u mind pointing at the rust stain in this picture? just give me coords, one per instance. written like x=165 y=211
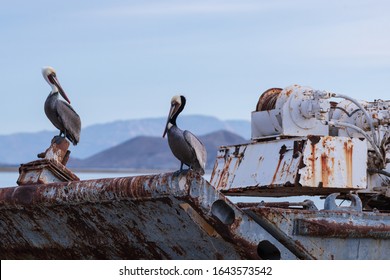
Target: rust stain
x=210 y=230
x=313 y=159
x=289 y=92
x=223 y=178
x=282 y=151
x=284 y=170
x=327 y=160
x=348 y=150
x=215 y=168
x=259 y=165
x=238 y=162
x=329 y=229
x=325 y=170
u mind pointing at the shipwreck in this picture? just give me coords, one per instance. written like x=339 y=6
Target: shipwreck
x=304 y=143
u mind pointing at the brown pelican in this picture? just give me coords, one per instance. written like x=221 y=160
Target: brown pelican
x=60 y=113
x=184 y=145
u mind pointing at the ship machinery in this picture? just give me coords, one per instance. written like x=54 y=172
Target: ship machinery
x=312 y=183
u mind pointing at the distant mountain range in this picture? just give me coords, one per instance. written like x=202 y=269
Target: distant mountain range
x=100 y=138
x=147 y=152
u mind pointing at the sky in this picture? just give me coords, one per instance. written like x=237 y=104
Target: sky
x=120 y=60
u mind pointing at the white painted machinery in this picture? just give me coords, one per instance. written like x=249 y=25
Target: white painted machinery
x=311 y=142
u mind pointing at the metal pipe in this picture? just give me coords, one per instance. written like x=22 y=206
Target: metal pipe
x=379 y=171
x=358 y=129
x=337 y=95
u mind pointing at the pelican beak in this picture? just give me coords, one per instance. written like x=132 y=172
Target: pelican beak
x=53 y=79
x=165 y=130
x=172 y=111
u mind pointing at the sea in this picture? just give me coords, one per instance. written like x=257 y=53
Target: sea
x=9 y=178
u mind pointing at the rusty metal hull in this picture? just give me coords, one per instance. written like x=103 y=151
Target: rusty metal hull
x=165 y=216
x=325 y=234
x=174 y=216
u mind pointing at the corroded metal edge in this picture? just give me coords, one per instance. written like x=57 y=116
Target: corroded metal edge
x=35 y=169
x=210 y=210
x=99 y=190
x=329 y=229
x=327 y=234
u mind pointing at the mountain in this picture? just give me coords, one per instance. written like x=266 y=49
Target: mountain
x=147 y=152
x=23 y=147
x=97 y=138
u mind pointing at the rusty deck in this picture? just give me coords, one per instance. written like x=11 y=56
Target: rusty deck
x=174 y=216
x=164 y=216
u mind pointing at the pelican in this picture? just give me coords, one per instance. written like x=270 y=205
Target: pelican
x=184 y=145
x=60 y=113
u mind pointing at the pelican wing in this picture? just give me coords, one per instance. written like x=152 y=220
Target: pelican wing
x=70 y=120
x=197 y=147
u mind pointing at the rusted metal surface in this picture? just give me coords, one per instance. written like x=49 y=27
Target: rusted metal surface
x=51 y=168
x=329 y=229
x=44 y=171
x=298 y=111
x=261 y=164
x=334 y=162
x=327 y=234
x=268 y=99
x=162 y=216
x=312 y=165
x=306 y=204
x=57 y=151
x=176 y=216
x=293 y=111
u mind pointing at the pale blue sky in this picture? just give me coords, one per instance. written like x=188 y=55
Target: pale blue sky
x=126 y=59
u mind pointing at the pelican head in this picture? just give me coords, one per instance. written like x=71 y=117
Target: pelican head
x=177 y=104
x=49 y=74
